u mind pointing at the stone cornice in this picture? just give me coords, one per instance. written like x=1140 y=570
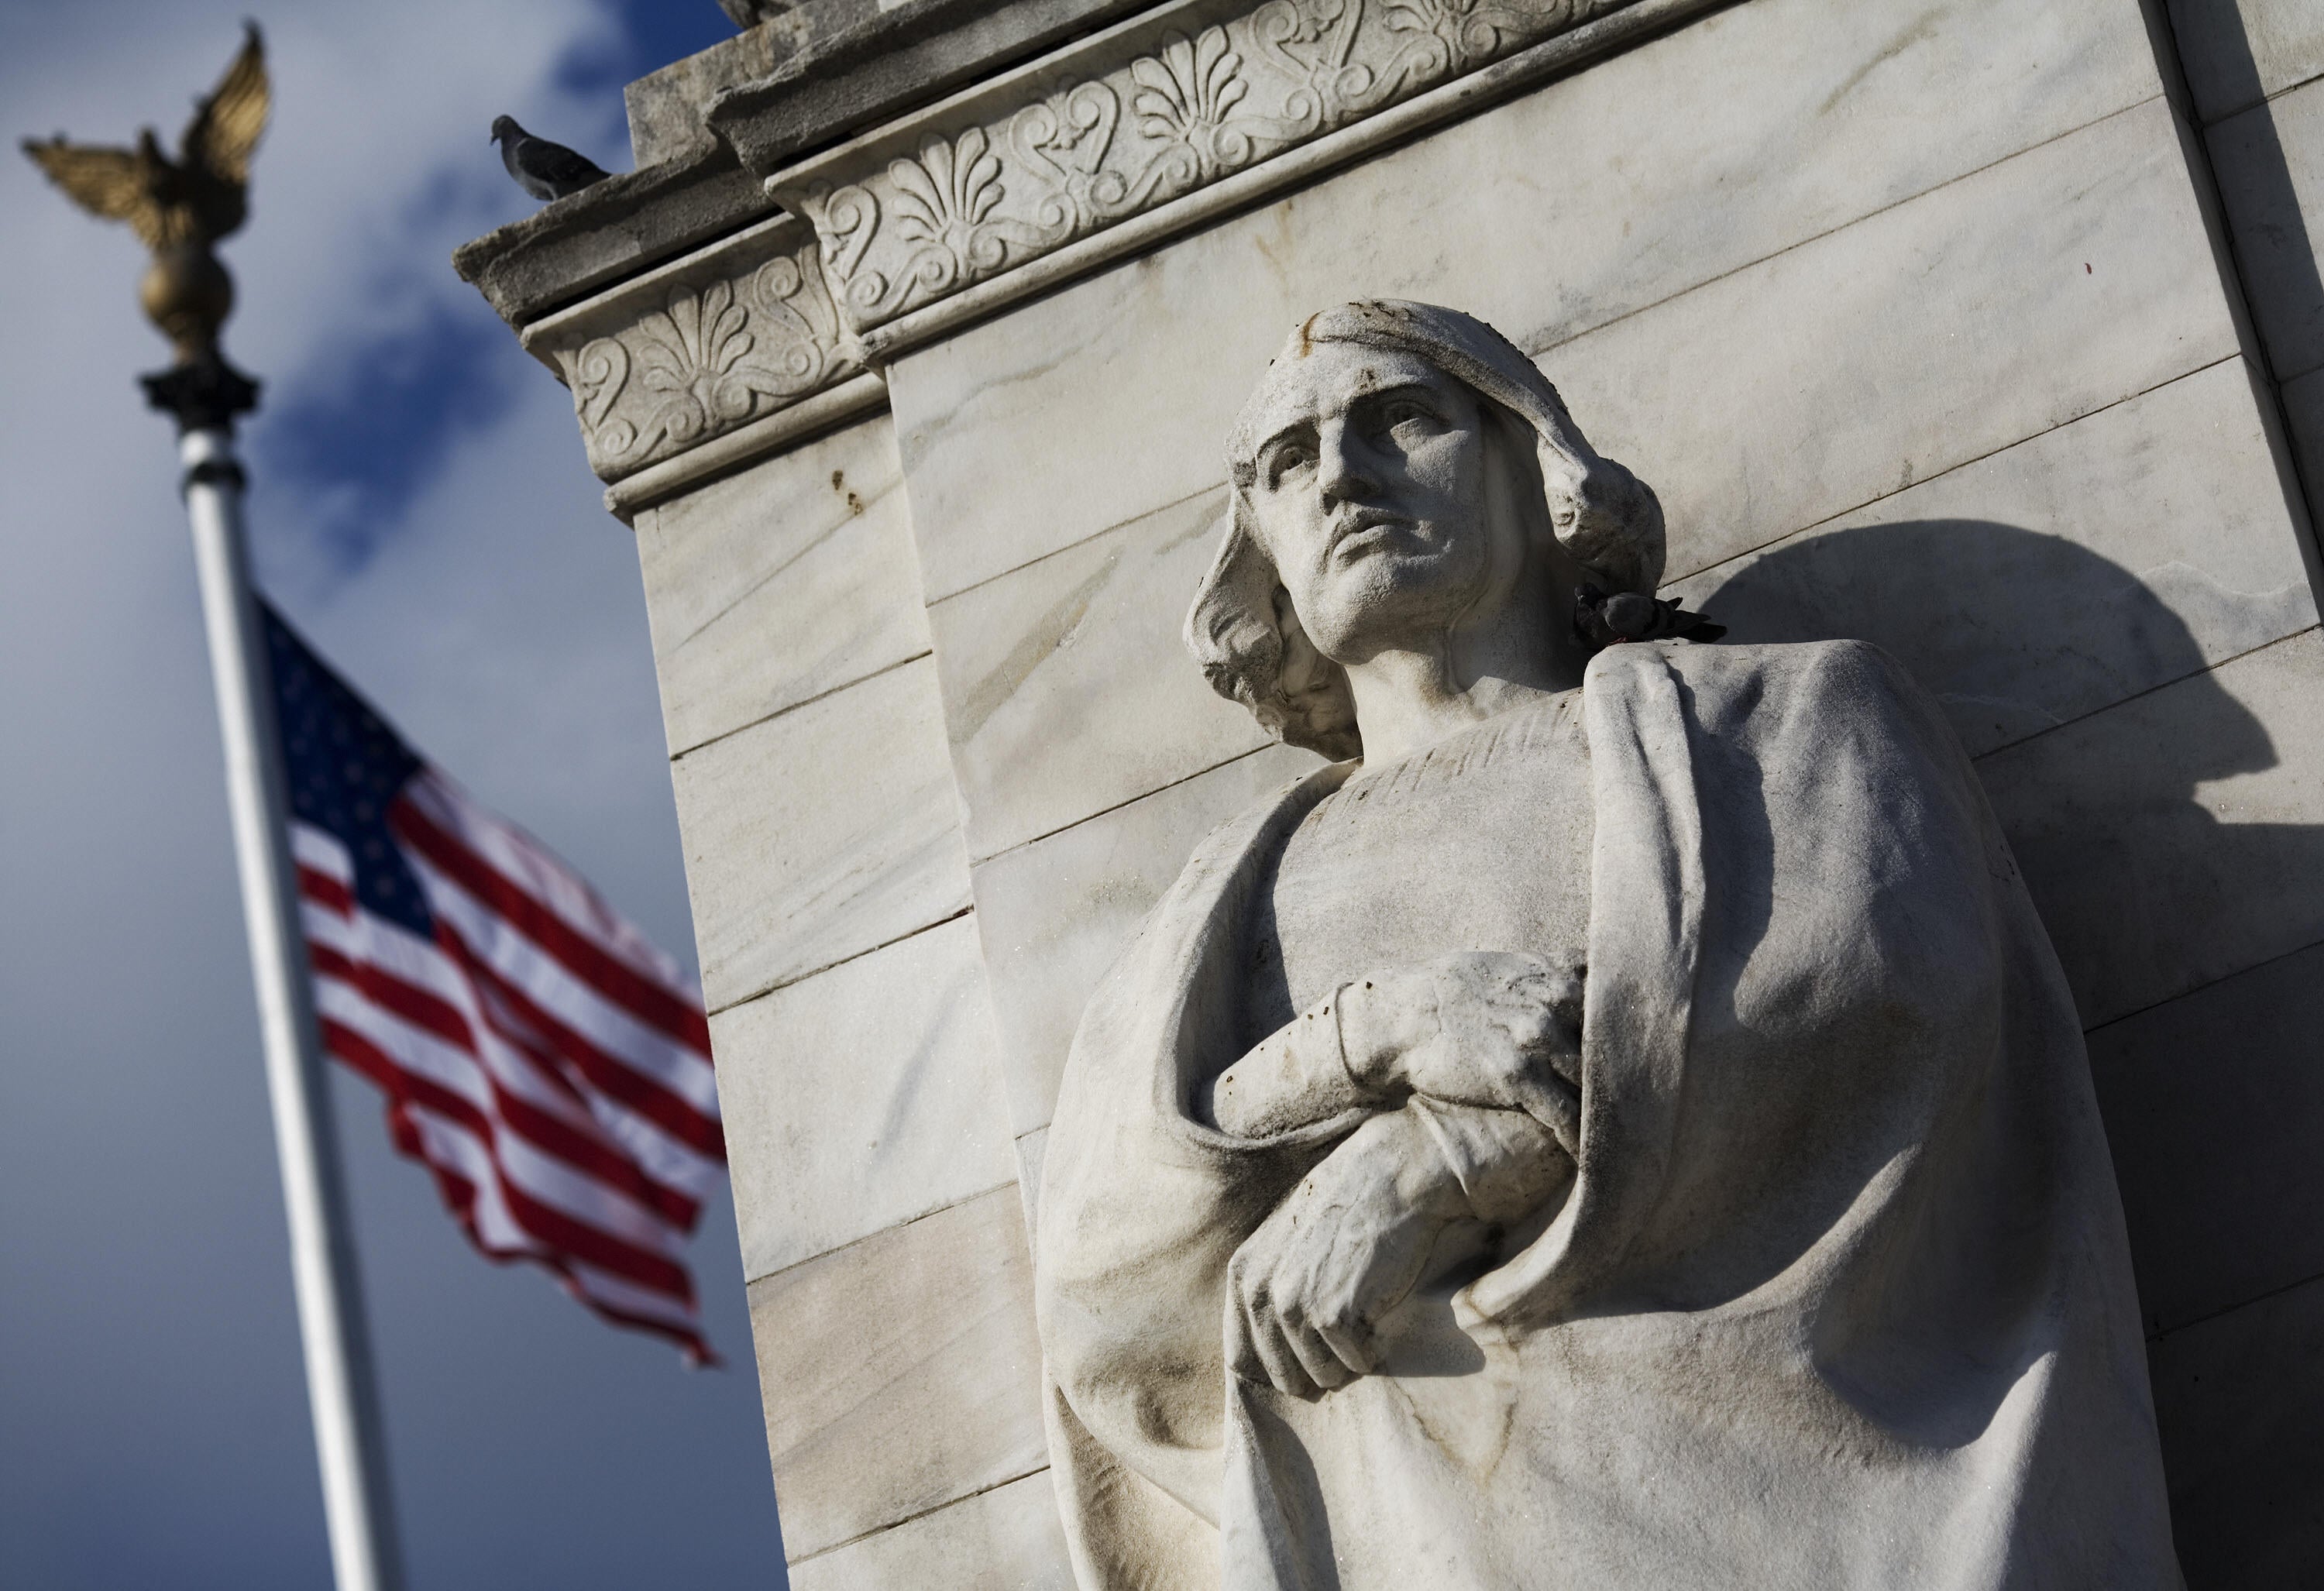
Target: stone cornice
x=945 y=215
x=629 y=222
x=1165 y=118
x=722 y=340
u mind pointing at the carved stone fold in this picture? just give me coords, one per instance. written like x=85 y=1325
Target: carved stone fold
x=1124 y=122
x=708 y=344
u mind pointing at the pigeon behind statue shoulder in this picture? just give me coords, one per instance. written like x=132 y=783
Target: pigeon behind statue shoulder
x=544 y=170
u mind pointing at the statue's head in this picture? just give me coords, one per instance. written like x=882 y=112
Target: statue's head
x=1402 y=470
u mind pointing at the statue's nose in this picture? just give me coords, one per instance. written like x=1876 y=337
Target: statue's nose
x=1341 y=475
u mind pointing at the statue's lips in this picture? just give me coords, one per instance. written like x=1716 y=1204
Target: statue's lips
x=1369 y=532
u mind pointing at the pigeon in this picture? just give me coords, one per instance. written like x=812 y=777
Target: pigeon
x=1605 y=621
x=544 y=170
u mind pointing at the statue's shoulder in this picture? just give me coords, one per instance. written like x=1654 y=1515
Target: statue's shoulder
x=1794 y=671
x=1795 y=694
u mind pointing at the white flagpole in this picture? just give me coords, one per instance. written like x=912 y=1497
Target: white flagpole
x=181 y=210
x=331 y=1329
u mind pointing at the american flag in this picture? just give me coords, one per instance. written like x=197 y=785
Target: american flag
x=549 y=1065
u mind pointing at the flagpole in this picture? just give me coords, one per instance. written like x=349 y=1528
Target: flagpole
x=179 y=209
x=341 y=1394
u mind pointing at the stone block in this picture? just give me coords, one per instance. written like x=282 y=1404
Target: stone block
x=2270 y=162
x=2211 y=1103
x=2235 y=52
x=2137 y=546
x=1056 y=913
x=884 y=57
x=901 y=1373
x=1010 y=1539
x=2176 y=839
x=820 y=833
x=2303 y=405
x=1067 y=688
x=2240 y=1400
x=861 y=1098
x=1093 y=405
x=780 y=583
x=2013 y=301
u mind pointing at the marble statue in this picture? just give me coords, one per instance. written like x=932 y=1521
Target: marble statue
x=1619 y=1124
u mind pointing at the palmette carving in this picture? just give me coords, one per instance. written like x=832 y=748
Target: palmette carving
x=1128 y=122
x=668 y=365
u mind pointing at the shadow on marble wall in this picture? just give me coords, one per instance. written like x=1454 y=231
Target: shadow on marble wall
x=2017 y=631
x=2133 y=764
x=2272 y=239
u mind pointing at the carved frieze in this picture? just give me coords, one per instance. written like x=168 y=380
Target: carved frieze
x=1124 y=123
x=704 y=345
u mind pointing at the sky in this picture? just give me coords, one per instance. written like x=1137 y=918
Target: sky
x=421 y=510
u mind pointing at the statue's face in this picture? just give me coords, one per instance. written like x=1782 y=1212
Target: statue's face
x=1372 y=492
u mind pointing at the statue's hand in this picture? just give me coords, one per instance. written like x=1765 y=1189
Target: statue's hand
x=1306 y=1290
x=1487 y=1028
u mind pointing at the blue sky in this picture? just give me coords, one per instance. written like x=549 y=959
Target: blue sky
x=420 y=506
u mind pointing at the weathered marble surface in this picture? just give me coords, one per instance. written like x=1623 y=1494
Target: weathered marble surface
x=820 y=833
x=2211 y=1103
x=2234 y=51
x=1066 y=691
x=778 y=584
x=1857 y=107
x=2270 y=161
x=900 y=1373
x=1004 y=1540
x=861 y=1098
x=1935 y=301
x=1055 y=914
x=2239 y=1399
x=862 y=60
x=2136 y=545
x=2174 y=839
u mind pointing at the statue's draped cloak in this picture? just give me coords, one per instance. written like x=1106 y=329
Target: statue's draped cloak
x=1839 y=1295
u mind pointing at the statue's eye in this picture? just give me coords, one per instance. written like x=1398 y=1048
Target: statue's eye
x=1405 y=412
x=1288 y=458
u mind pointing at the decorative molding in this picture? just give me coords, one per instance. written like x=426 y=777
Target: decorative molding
x=1135 y=119
x=1105 y=147
x=718 y=342
x=811 y=417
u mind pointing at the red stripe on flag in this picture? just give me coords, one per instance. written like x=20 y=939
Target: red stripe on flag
x=648 y=1001
x=551 y=1226
x=568 y=1141
x=603 y=1072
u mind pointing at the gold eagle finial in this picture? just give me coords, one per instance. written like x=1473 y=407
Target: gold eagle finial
x=179 y=207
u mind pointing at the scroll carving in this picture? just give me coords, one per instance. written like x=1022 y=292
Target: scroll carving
x=675 y=359
x=1124 y=123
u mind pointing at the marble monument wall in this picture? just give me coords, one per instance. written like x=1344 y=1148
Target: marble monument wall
x=1972 y=332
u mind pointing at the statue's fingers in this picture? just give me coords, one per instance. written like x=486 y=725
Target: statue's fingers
x=1324 y=1367
x=1351 y=1344
x=1283 y=1370
x=1553 y=1103
x=1270 y=1357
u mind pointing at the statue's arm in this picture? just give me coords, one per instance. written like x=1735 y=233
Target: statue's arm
x=1307 y=1291
x=1497 y=1031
